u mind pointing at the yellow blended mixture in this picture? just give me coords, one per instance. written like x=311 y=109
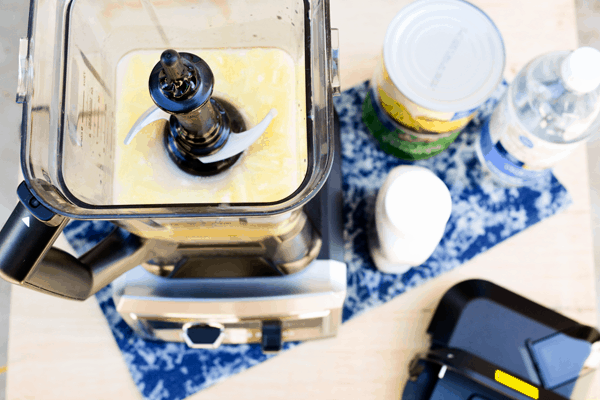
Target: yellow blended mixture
x=254 y=80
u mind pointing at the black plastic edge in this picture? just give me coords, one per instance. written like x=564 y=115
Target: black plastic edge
x=480 y=372
x=457 y=297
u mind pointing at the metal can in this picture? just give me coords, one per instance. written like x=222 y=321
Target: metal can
x=441 y=60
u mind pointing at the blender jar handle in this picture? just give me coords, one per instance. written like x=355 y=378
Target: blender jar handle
x=28 y=259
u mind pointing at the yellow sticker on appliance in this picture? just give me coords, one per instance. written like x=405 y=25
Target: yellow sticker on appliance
x=517 y=384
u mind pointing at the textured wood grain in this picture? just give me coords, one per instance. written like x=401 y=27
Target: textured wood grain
x=64 y=350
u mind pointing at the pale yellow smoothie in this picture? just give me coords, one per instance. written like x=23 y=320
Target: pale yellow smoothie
x=255 y=80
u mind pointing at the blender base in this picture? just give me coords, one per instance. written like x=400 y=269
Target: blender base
x=305 y=305
x=272 y=256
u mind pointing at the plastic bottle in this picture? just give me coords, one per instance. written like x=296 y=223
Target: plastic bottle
x=552 y=106
x=411 y=212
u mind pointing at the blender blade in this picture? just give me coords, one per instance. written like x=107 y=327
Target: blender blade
x=236 y=144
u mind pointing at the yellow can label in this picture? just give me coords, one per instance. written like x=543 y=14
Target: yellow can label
x=413 y=116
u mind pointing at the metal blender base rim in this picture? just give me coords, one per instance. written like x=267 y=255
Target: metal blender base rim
x=307 y=304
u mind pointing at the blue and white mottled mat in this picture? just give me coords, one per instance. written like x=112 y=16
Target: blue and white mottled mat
x=483 y=215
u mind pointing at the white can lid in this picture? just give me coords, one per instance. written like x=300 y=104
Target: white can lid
x=580 y=70
x=444 y=55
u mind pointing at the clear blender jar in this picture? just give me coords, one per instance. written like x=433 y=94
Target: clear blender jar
x=83 y=81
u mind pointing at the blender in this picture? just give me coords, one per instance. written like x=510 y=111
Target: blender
x=205 y=132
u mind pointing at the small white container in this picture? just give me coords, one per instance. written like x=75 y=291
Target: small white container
x=411 y=212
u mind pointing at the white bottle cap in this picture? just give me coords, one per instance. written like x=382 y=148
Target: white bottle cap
x=580 y=70
x=416 y=201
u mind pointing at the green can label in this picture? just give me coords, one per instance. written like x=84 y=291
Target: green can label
x=400 y=143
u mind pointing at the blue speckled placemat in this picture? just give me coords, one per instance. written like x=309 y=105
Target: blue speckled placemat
x=482 y=216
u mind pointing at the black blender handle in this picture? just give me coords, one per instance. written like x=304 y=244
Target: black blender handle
x=23 y=243
x=28 y=259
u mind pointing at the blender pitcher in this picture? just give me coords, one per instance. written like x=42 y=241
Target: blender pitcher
x=204 y=130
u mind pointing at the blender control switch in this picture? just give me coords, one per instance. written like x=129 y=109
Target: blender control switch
x=203 y=336
x=271 y=336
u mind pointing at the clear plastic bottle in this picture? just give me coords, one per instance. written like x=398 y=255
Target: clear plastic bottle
x=552 y=106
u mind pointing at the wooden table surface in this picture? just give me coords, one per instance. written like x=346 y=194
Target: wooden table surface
x=64 y=350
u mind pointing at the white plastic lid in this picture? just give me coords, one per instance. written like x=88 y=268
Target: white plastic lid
x=444 y=55
x=580 y=70
x=417 y=202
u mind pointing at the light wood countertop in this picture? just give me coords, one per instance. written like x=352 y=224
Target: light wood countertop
x=64 y=350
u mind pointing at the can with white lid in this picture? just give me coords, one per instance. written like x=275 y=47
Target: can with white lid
x=441 y=60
